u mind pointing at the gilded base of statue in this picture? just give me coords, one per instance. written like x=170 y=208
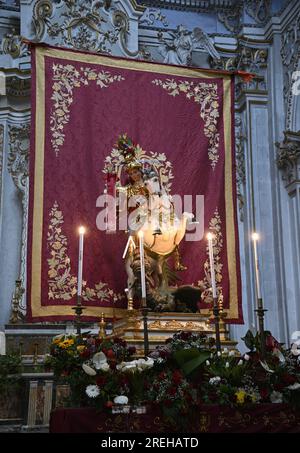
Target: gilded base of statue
x=164 y=325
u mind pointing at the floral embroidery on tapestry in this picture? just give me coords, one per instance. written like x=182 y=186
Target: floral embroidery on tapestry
x=206 y=95
x=62 y=284
x=66 y=78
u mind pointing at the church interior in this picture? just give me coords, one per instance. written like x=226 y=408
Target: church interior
x=149 y=216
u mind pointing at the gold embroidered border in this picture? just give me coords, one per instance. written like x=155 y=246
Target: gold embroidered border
x=36 y=254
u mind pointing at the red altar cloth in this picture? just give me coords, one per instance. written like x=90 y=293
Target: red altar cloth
x=261 y=418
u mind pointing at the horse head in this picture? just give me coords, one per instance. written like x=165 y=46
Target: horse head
x=152 y=182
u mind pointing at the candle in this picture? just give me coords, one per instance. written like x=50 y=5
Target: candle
x=255 y=238
x=80 y=260
x=212 y=266
x=142 y=258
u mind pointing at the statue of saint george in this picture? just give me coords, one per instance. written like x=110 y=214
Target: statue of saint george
x=149 y=208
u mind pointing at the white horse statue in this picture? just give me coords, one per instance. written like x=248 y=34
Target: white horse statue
x=163 y=231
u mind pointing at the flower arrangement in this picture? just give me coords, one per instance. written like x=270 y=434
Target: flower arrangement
x=181 y=375
x=92 y=367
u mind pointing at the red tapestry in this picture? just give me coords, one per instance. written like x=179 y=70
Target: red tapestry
x=81 y=104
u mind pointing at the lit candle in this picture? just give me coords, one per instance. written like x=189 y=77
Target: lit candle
x=80 y=260
x=142 y=258
x=212 y=266
x=255 y=238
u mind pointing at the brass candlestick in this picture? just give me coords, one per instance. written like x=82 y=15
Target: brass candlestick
x=261 y=323
x=78 y=312
x=145 y=321
x=35 y=355
x=216 y=312
x=102 y=327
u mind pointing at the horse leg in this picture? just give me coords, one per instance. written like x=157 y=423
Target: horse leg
x=178 y=264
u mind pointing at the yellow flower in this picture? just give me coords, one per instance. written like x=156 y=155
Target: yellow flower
x=254 y=398
x=240 y=396
x=66 y=344
x=80 y=348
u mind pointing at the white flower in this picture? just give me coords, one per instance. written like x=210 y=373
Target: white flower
x=227 y=365
x=246 y=357
x=225 y=351
x=207 y=363
x=104 y=367
x=294 y=349
x=121 y=399
x=276 y=397
x=132 y=366
x=295 y=386
x=89 y=370
x=99 y=359
x=240 y=363
x=120 y=366
x=142 y=364
x=214 y=380
x=219 y=354
x=92 y=391
x=231 y=353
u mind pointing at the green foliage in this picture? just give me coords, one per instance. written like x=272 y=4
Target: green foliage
x=190 y=359
x=10 y=372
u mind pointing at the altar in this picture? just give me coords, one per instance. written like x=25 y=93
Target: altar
x=263 y=418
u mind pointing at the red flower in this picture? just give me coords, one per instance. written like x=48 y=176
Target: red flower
x=164 y=354
x=109 y=404
x=289 y=379
x=86 y=354
x=264 y=393
x=110 y=354
x=162 y=375
x=272 y=343
x=172 y=391
x=177 y=377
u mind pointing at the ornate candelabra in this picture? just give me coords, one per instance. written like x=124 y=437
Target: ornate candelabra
x=16 y=302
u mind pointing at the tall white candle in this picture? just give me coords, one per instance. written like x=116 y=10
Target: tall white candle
x=80 y=260
x=212 y=265
x=142 y=258
x=255 y=238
